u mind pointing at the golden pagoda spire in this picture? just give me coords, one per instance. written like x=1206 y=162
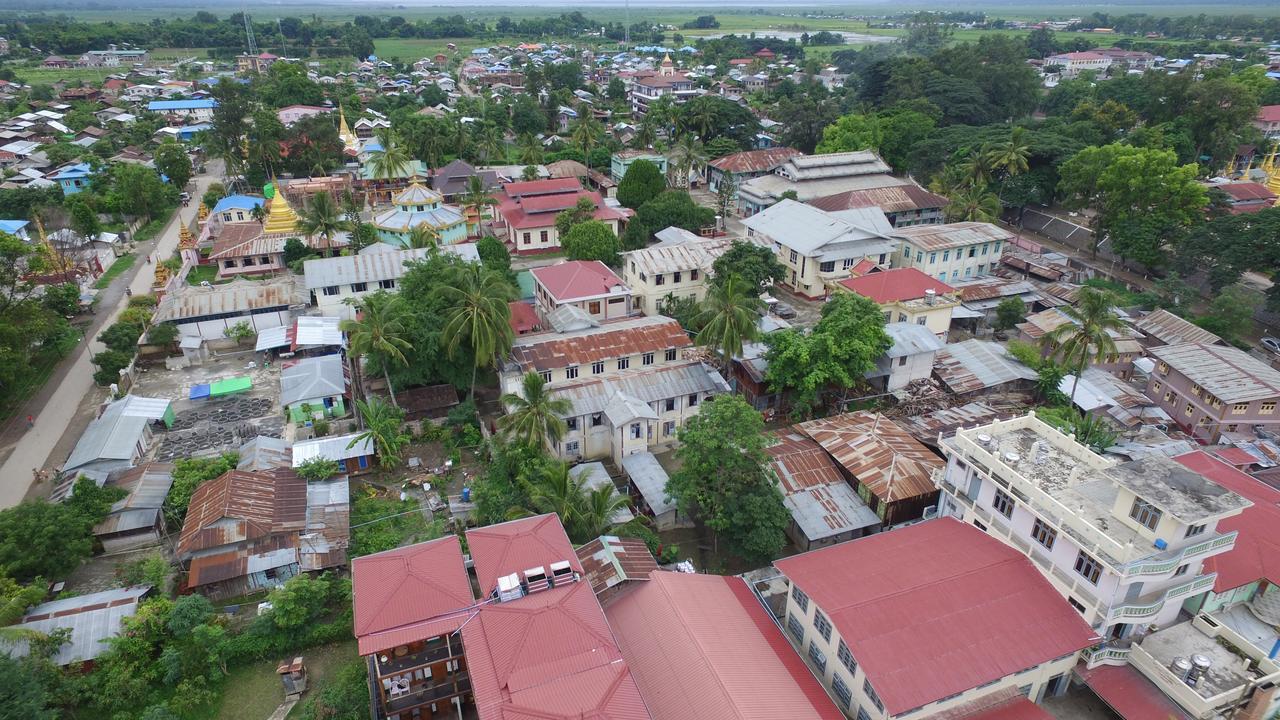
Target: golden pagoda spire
x=1272 y=169
x=202 y=213
x=281 y=219
x=349 y=139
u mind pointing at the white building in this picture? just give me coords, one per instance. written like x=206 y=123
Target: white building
x=1074 y=63
x=954 y=251
x=336 y=283
x=679 y=265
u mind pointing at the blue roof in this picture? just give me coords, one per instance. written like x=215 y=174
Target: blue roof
x=163 y=105
x=79 y=170
x=372 y=146
x=237 y=202
x=12 y=226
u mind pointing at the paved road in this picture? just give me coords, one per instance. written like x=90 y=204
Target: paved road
x=56 y=406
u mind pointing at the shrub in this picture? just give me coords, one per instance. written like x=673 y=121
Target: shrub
x=110 y=363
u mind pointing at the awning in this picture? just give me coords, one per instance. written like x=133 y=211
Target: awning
x=191 y=342
x=272 y=338
x=199 y=392
x=961 y=312
x=230 y=386
x=1129 y=693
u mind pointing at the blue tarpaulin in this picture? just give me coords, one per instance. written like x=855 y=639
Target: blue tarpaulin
x=199 y=392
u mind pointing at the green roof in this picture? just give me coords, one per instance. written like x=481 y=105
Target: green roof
x=230 y=385
x=524 y=279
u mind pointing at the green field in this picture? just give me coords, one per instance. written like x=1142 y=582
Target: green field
x=411 y=49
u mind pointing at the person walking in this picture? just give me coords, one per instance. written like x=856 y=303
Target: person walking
x=31 y=421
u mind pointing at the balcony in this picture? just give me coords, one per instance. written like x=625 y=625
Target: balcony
x=433 y=651
x=1105 y=655
x=1168 y=563
x=425 y=695
x=1144 y=608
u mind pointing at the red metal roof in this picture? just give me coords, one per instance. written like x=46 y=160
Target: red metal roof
x=1241 y=191
x=404 y=589
x=524 y=319
x=549 y=654
x=240 y=506
x=702 y=646
x=1257 y=550
x=576 y=279
x=895 y=285
x=542 y=187
x=1131 y=695
x=937 y=608
x=1019 y=708
x=540 y=211
x=1235 y=457
x=1269 y=113
x=632 y=336
x=516 y=546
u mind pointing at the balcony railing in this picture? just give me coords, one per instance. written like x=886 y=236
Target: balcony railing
x=1169 y=564
x=1104 y=655
x=1142 y=610
x=457 y=684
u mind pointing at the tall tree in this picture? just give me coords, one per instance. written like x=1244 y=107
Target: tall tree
x=757 y=266
x=383 y=427
x=378 y=334
x=477 y=199
x=171 y=161
x=534 y=416
x=642 y=182
x=320 y=217
x=479 y=316
x=1087 y=337
x=729 y=318
x=392 y=161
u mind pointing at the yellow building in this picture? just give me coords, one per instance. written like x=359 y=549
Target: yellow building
x=907 y=295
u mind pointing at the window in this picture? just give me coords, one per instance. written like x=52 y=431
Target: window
x=669 y=428
x=571 y=372
x=635 y=431
x=387 y=284
x=642 y=277
x=919 y=256
x=801 y=599
x=693 y=276
x=571 y=424
x=1194 y=530
x=597 y=368
x=1075 y=604
x=624 y=363
x=842 y=691
x=826 y=267
x=1267 y=408
x=1196 y=390
x=528 y=238
x=794 y=627
x=848 y=262
x=1155 y=386
x=968 y=271
x=846 y=658
x=955 y=273
x=902 y=361
x=359 y=287
x=921 y=320
x=1168 y=397
x=1163 y=367
x=670 y=404
x=822 y=625
x=818 y=658
x=871 y=695
x=229 y=263
x=902 y=317
x=933 y=258
x=693 y=401
x=1182 y=570
x=593 y=307
x=659 y=279
x=1044 y=534
x=1239 y=408
x=1088 y=568
x=984 y=248
x=331 y=290
x=675 y=277
x=249 y=262
x=542 y=236
x=646 y=359
x=670 y=355
x=979 y=525
x=862 y=714
x=946 y=255
x=973 y=251
x=264 y=261
x=793 y=257
x=1003 y=504
x=1147 y=515
x=1190 y=409
x=596 y=419
x=546 y=376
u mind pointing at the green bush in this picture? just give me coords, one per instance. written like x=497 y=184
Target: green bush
x=122 y=337
x=345 y=696
x=109 y=364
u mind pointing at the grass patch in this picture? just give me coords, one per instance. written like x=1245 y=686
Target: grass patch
x=26 y=386
x=153 y=228
x=202 y=273
x=392 y=532
x=1124 y=296
x=414 y=49
x=122 y=263
x=254 y=691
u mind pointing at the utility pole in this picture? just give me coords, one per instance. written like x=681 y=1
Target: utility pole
x=248 y=31
x=626 y=28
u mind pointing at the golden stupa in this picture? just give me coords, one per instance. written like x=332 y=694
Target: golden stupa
x=185 y=238
x=348 y=138
x=281 y=219
x=202 y=213
x=1271 y=166
x=162 y=276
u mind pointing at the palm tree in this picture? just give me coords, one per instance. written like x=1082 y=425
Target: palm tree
x=646 y=133
x=534 y=415
x=383 y=428
x=258 y=212
x=555 y=490
x=1009 y=157
x=975 y=168
x=700 y=117
x=490 y=143
x=530 y=149
x=423 y=236
x=973 y=204
x=586 y=135
x=392 y=161
x=689 y=154
x=596 y=514
x=729 y=318
x=476 y=199
x=379 y=333
x=1087 y=335
x=480 y=316
x=320 y=217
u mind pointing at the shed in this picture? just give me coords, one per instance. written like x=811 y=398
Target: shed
x=115 y=440
x=647 y=481
x=136 y=520
x=313 y=386
x=593 y=476
x=230 y=386
x=352 y=453
x=92 y=619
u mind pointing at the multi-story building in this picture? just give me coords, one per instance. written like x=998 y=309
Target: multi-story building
x=1075 y=63
x=954 y=251
x=678 y=266
x=648 y=86
x=1268 y=121
x=199 y=110
x=904 y=205
x=630 y=383
x=743 y=166
x=815 y=176
x=1132 y=60
x=336 y=284
x=817 y=248
x=420 y=206
x=906 y=295
x=620 y=162
x=931 y=620
x=587 y=285
x=525 y=216
x=259 y=63
x=1212 y=389
x=1124 y=542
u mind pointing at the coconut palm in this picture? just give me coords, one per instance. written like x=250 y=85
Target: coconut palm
x=530 y=148
x=554 y=490
x=423 y=236
x=476 y=198
x=490 y=143
x=479 y=317
x=1087 y=335
x=973 y=204
x=1009 y=157
x=646 y=133
x=585 y=135
x=975 y=168
x=392 y=161
x=383 y=426
x=320 y=217
x=534 y=415
x=597 y=511
x=259 y=213
x=729 y=318
x=689 y=155
x=698 y=117
x=379 y=333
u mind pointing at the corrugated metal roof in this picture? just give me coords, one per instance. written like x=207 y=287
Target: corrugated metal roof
x=881 y=455
x=677 y=253
x=609 y=560
x=1130 y=694
x=93 y=619
x=323 y=544
x=812 y=167
x=148 y=485
x=807 y=229
x=821 y=502
x=702 y=646
x=332 y=448
x=360 y=268
x=265 y=453
x=516 y=546
x=607 y=341
x=650 y=478
x=754 y=161
x=190 y=302
x=312 y=378
x=578 y=279
x=991 y=288
x=593 y=476
x=239 y=506
x=938 y=608
x=595 y=396
x=952 y=235
x=1170 y=329
x=1256 y=555
x=975 y=365
x=911 y=339
x=1231 y=375
x=926 y=428
x=399 y=588
x=892 y=199
x=317 y=330
x=111 y=436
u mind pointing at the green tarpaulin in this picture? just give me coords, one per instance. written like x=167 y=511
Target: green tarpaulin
x=230 y=386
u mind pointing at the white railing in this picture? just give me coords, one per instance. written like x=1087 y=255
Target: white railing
x=1161 y=567
x=1103 y=655
x=1146 y=610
